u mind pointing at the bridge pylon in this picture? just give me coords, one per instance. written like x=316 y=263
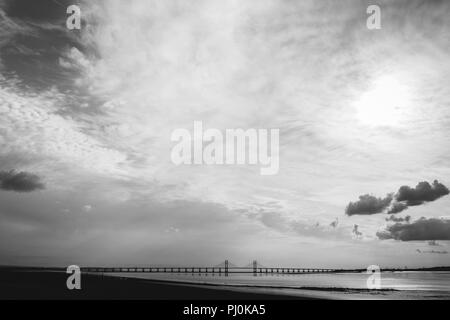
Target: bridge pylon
x=226 y=268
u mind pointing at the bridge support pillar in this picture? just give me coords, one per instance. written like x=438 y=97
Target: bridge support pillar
x=226 y=268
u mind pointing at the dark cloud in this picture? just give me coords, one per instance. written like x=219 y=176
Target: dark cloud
x=419 y=230
x=423 y=192
x=398 y=219
x=404 y=198
x=368 y=204
x=20 y=181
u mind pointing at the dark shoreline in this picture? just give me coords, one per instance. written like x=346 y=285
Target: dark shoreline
x=31 y=285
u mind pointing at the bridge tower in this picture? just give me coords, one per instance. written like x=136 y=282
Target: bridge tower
x=226 y=268
x=255 y=266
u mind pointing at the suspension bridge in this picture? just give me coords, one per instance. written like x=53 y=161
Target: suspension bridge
x=225 y=268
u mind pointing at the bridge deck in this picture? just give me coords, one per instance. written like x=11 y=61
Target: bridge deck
x=203 y=270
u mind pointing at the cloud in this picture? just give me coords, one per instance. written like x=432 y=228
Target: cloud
x=397 y=207
x=20 y=181
x=420 y=230
x=398 y=219
x=405 y=197
x=368 y=204
x=10 y=28
x=74 y=59
x=50 y=134
x=290 y=225
x=423 y=192
x=87 y=208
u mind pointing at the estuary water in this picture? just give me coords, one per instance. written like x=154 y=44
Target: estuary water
x=394 y=285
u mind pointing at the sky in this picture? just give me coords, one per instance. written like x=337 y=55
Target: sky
x=86 y=118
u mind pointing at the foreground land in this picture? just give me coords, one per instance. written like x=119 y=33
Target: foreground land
x=17 y=284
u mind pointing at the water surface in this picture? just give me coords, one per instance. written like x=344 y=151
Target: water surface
x=404 y=284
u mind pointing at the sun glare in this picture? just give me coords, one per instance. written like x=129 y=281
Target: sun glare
x=383 y=104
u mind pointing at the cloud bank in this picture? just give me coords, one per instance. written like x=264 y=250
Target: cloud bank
x=420 y=230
